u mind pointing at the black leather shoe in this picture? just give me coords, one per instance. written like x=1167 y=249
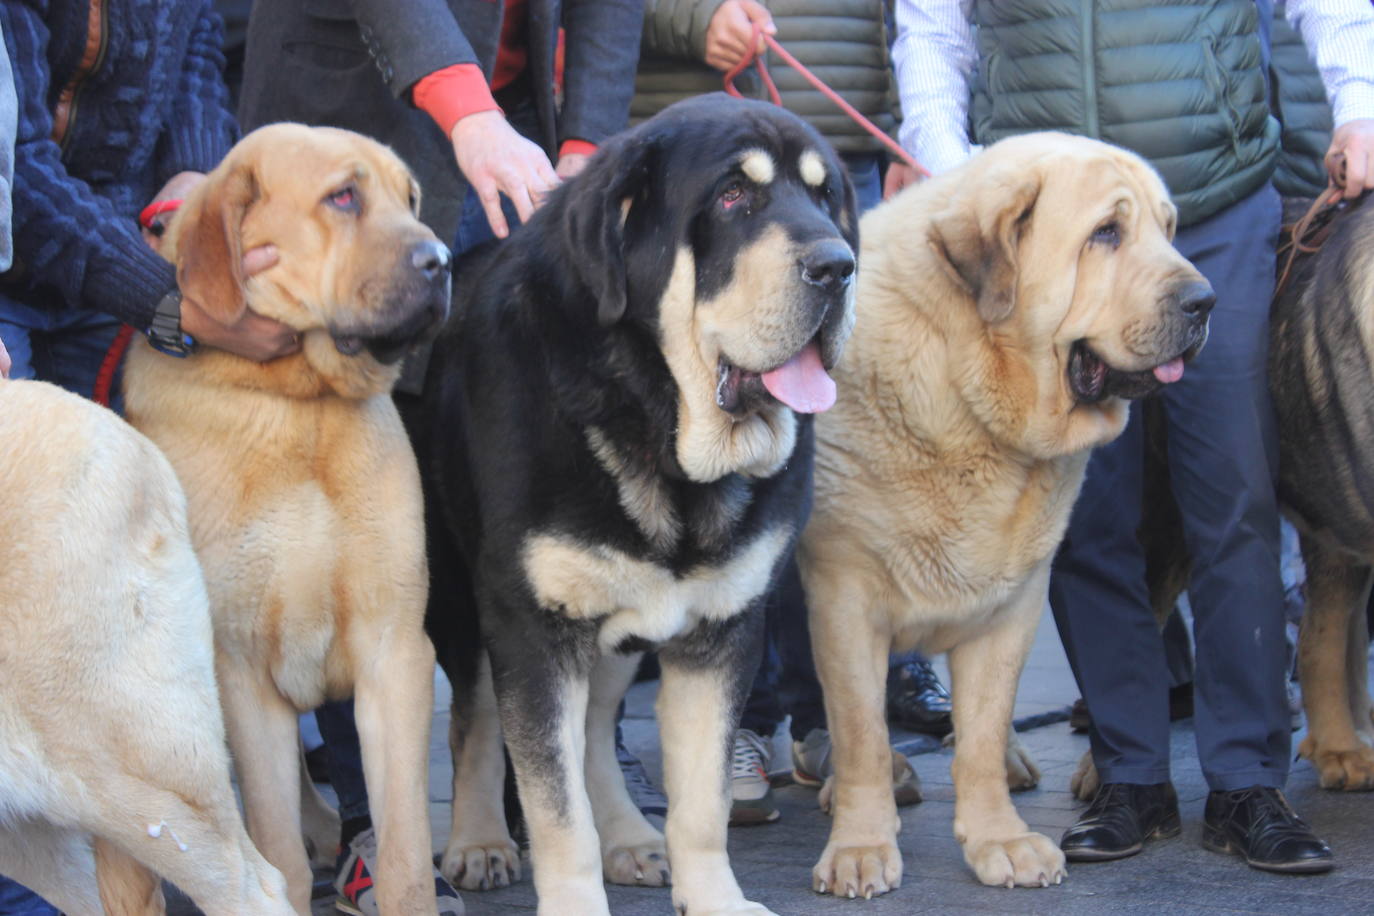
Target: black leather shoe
x=1261 y=827
x=916 y=699
x=1120 y=819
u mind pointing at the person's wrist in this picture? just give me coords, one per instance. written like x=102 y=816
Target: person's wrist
x=165 y=332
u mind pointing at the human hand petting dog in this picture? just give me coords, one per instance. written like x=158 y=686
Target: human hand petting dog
x=496 y=160
x=1350 y=158
x=729 y=31
x=253 y=336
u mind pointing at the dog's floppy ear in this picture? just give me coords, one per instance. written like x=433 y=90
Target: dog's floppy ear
x=209 y=251
x=979 y=245
x=594 y=216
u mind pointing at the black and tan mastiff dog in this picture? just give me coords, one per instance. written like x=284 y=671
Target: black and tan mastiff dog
x=1321 y=373
x=619 y=443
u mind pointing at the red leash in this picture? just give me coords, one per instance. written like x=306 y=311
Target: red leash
x=104 y=378
x=754 y=58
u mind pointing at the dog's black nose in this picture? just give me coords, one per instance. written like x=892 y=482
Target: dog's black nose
x=431 y=259
x=1196 y=299
x=828 y=264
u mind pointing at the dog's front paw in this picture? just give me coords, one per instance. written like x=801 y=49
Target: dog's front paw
x=1351 y=769
x=858 y=871
x=481 y=866
x=1084 y=782
x=641 y=864
x=1025 y=860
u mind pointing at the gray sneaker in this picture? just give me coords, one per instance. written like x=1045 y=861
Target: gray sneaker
x=353 y=881
x=751 y=794
x=812 y=766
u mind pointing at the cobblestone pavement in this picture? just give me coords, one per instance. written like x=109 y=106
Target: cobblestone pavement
x=773 y=862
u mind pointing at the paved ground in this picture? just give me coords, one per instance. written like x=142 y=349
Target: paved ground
x=773 y=863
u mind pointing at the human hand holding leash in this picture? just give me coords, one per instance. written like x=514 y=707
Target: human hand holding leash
x=732 y=28
x=496 y=160
x=1350 y=158
x=898 y=176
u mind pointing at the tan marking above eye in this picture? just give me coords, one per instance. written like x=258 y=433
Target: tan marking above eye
x=758 y=166
x=812 y=168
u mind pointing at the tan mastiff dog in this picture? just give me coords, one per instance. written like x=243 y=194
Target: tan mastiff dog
x=113 y=770
x=302 y=488
x=1007 y=311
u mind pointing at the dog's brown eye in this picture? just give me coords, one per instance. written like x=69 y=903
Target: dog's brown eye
x=344 y=198
x=732 y=195
x=1110 y=234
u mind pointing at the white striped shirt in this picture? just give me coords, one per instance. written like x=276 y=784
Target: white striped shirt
x=934 y=57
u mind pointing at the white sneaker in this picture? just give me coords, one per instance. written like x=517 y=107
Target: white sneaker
x=751 y=794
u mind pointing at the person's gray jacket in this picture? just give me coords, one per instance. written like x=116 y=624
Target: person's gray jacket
x=844 y=42
x=353 y=63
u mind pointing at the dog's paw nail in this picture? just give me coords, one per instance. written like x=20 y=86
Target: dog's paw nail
x=851 y=891
x=1011 y=882
x=868 y=892
x=639 y=875
x=1059 y=878
x=820 y=887
x=1044 y=880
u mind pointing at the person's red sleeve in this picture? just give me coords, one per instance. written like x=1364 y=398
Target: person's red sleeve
x=576 y=146
x=453 y=93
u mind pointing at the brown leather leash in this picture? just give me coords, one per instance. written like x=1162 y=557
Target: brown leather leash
x=753 y=57
x=1306 y=235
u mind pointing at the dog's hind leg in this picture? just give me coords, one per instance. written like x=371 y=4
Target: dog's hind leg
x=264 y=738
x=54 y=862
x=480 y=854
x=984 y=670
x=632 y=851
x=704 y=680
x=1335 y=583
x=1357 y=664
x=320 y=824
x=127 y=887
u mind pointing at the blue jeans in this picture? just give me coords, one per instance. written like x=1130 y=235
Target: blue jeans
x=62 y=346
x=18 y=900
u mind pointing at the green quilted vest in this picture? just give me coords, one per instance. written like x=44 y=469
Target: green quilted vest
x=1178 y=81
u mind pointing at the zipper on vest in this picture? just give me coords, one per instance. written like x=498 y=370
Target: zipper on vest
x=1089 y=63
x=97 y=42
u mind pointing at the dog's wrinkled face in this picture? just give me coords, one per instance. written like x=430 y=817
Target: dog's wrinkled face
x=359 y=275
x=737 y=227
x=1073 y=269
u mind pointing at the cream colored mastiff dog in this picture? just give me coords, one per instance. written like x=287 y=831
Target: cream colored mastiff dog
x=1006 y=312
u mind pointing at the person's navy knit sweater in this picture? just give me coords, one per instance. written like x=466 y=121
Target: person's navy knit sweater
x=153 y=104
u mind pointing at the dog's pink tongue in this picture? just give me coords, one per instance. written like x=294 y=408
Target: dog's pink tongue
x=1171 y=371
x=802 y=382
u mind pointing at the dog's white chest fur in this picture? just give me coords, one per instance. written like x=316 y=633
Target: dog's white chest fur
x=641 y=598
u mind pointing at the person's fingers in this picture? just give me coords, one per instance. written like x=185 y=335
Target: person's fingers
x=256 y=260
x=490 y=199
x=1357 y=173
x=4 y=361
x=520 y=196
